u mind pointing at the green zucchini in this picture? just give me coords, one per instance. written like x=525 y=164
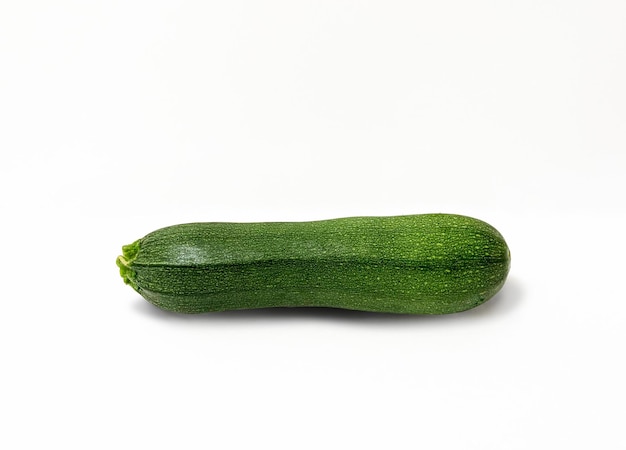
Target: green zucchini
x=414 y=264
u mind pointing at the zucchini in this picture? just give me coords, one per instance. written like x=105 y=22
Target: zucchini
x=413 y=264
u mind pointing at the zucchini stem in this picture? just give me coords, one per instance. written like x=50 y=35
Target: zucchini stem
x=125 y=262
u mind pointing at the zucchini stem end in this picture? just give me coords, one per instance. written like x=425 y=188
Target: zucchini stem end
x=125 y=262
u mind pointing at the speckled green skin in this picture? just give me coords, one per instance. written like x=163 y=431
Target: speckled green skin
x=417 y=264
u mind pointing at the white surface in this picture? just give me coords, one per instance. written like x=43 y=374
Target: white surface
x=117 y=118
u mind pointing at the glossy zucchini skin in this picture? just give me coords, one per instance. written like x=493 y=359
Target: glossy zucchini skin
x=413 y=264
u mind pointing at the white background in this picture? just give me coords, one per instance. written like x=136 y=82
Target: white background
x=120 y=117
